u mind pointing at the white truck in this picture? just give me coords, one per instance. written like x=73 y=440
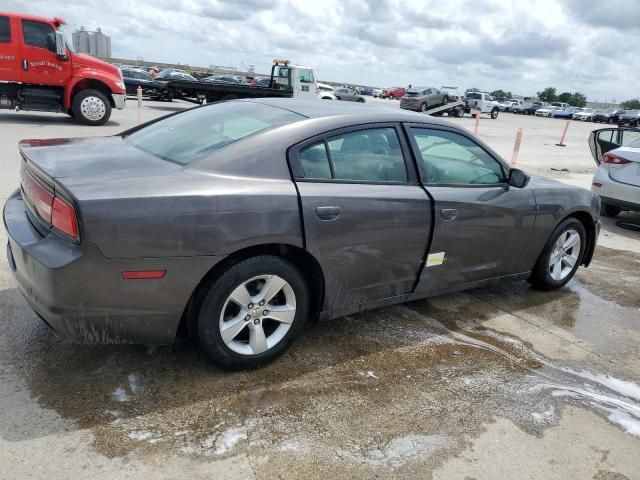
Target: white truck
x=480 y=102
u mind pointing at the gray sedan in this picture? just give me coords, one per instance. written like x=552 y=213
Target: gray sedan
x=348 y=95
x=236 y=222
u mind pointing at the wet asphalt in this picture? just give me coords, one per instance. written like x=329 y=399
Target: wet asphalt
x=497 y=382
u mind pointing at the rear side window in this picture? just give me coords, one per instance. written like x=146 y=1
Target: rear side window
x=39 y=34
x=5 y=31
x=315 y=162
x=368 y=155
x=189 y=136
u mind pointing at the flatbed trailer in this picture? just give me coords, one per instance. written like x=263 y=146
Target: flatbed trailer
x=285 y=81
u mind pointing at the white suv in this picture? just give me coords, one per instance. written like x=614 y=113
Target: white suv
x=617 y=180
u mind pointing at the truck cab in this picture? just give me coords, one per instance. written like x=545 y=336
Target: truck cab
x=483 y=103
x=299 y=80
x=40 y=71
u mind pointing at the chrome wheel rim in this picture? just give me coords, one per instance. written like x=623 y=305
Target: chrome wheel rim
x=93 y=108
x=564 y=255
x=257 y=315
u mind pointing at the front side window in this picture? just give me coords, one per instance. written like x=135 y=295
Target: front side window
x=453 y=159
x=368 y=155
x=193 y=134
x=39 y=34
x=5 y=30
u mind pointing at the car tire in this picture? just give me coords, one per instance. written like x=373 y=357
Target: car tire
x=445 y=100
x=610 y=211
x=361 y=100
x=237 y=352
x=423 y=107
x=91 y=107
x=494 y=113
x=546 y=274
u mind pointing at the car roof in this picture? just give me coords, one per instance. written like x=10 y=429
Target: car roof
x=368 y=112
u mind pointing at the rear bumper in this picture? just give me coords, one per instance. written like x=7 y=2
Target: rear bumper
x=81 y=295
x=615 y=193
x=119 y=100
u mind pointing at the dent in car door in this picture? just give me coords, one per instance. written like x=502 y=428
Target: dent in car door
x=481 y=230
x=367 y=226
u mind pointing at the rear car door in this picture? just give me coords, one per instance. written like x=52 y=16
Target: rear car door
x=40 y=63
x=366 y=218
x=9 y=50
x=481 y=224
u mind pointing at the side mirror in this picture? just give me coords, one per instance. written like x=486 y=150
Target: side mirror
x=61 y=46
x=517 y=178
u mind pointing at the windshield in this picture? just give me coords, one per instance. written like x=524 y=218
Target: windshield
x=63 y=30
x=189 y=136
x=474 y=96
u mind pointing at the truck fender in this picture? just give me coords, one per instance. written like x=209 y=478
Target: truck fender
x=90 y=78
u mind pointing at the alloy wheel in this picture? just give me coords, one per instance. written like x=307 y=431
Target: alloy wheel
x=257 y=315
x=564 y=255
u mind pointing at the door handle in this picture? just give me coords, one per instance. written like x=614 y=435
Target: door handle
x=25 y=64
x=448 y=213
x=328 y=213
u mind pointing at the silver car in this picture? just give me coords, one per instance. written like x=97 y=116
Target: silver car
x=421 y=99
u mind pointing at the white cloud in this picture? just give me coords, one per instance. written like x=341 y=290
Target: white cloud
x=520 y=46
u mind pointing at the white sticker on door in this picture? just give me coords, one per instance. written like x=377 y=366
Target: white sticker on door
x=434 y=259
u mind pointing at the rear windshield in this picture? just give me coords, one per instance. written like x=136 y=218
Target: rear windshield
x=189 y=136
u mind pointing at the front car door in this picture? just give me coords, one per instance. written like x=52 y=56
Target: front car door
x=481 y=224
x=366 y=217
x=9 y=50
x=40 y=63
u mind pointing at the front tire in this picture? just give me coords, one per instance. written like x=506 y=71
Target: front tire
x=494 y=113
x=561 y=256
x=252 y=312
x=91 y=107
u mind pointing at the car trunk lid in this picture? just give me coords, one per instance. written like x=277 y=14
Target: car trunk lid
x=606 y=139
x=628 y=173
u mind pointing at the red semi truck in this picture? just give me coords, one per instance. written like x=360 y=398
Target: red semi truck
x=39 y=71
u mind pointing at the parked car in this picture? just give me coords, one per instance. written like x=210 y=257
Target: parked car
x=377 y=92
x=566 y=113
x=366 y=91
x=560 y=105
x=175 y=74
x=297 y=234
x=629 y=117
x=507 y=106
x=136 y=77
x=584 y=114
x=610 y=115
x=421 y=99
x=394 y=93
x=231 y=79
x=547 y=111
x=528 y=108
x=347 y=94
x=616 y=151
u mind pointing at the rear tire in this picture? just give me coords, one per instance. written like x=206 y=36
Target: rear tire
x=610 y=211
x=544 y=276
x=247 y=348
x=91 y=107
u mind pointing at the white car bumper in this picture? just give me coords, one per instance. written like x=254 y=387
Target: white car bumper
x=615 y=193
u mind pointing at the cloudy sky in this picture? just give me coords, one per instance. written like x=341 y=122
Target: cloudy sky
x=522 y=46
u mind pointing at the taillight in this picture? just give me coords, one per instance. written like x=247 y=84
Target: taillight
x=53 y=210
x=63 y=217
x=40 y=197
x=614 y=159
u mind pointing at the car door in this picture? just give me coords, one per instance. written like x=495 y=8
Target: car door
x=366 y=218
x=607 y=139
x=9 y=50
x=481 y=224
x=40 y=63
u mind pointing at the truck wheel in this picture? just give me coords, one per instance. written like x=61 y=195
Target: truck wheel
x=252 y=312
x=91 y=107
x=494 y=113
